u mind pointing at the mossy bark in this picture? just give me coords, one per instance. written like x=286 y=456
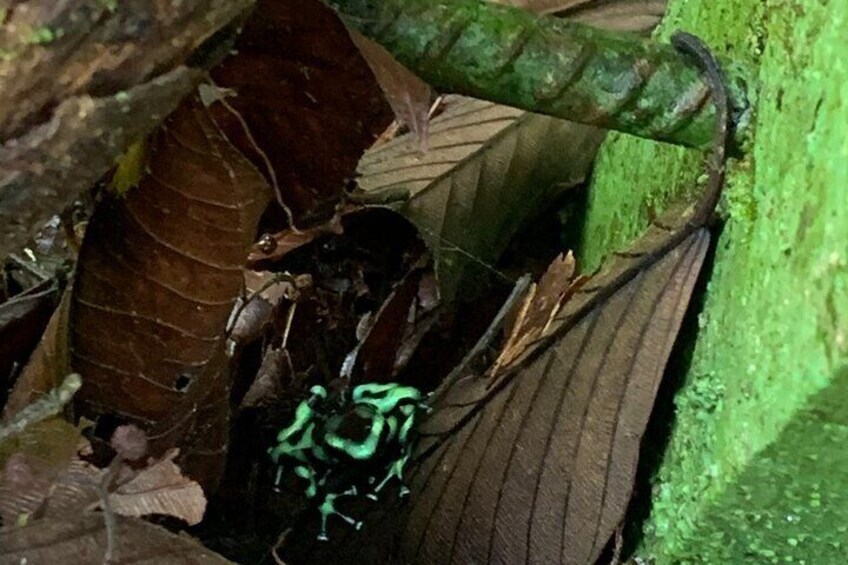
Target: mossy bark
x=755 y=470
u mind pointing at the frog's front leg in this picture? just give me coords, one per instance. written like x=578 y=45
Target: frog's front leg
x=398 y=466
x=328 y=508
x=396 y=470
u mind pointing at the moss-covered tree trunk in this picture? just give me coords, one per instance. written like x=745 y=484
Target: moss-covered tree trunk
x=756 y=468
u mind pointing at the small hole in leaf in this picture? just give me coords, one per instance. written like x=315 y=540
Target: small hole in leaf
x=182 y=382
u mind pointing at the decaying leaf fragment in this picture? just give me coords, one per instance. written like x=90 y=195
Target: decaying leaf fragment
x=537 y=311
x=158 y=274
x=408 y=95
x=537 y=464
x=53 y=540
x=47 y=365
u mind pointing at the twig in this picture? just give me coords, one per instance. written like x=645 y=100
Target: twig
x=280 y=541
x=272 y=173
x=48 y=405
x=277 y=278
x=108 y=513
x=489 y=335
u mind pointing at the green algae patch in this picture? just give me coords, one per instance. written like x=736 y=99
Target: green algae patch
x=790 y=504
x=772 y=333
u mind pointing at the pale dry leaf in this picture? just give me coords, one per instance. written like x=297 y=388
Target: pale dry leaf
x=82 y=541
x=535 y=313
x=160 y=488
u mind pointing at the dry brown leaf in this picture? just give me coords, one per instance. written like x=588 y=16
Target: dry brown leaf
x=375 y=358
x=160 y=488
x=309 y=101
x=535 y=313
x=408 y=95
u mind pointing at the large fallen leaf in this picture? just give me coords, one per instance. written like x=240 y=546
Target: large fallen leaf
x=83 y=541
x=537 y=465
x=488 y=169
x=159 y=272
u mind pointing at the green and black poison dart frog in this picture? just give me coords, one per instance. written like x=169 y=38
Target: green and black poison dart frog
x=368 y=434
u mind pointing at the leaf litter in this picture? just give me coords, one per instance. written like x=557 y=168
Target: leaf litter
x=372 y=299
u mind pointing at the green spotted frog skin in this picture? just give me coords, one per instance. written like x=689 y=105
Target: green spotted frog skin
x=319 y=441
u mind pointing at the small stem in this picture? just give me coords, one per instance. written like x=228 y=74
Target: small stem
x=48 y=405
x=109 y=514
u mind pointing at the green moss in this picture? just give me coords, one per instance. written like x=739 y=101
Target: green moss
x=41 y=35
x=773 y=330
